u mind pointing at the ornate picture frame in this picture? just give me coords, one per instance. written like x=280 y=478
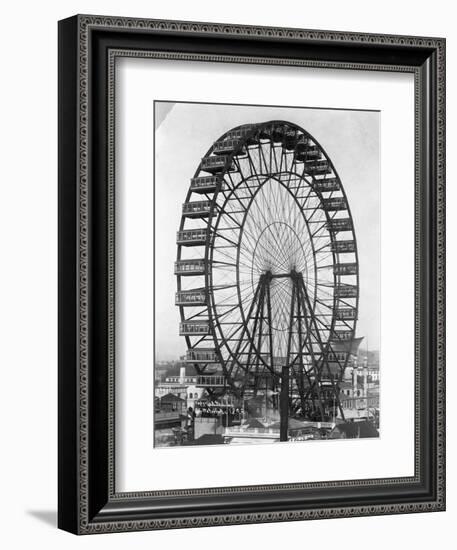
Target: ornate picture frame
x=88 y=49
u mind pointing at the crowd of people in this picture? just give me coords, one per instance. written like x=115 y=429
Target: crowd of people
x=214 y=409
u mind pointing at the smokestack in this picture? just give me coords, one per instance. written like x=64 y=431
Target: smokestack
x=354 y=382
x=365 y=388
x=182 y=375
x=365 y=380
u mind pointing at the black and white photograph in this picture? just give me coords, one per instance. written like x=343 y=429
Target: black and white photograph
x=267 y=274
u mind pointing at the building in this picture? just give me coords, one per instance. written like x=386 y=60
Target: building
x=360 y=397
x=194 y=393
x=175 y=388
x=172 y=403
x=182 y=378
x=353 y=348
x=373 y=374
x=182 y=386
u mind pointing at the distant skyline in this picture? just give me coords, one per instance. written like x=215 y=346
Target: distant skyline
x=183 y=134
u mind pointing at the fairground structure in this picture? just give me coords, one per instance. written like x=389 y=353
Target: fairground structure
x=267 y=276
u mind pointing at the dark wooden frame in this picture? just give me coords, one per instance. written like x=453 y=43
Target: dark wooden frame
x=88 y=46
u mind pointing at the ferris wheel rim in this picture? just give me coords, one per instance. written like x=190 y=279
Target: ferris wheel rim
x=256 y=128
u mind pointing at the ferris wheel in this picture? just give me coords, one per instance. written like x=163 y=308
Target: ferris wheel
x=267 y=268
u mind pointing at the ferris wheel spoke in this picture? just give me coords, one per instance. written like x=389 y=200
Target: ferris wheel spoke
x=199 y=341
x=236 y=187
x=252 y=166
x=314 y=210
x=243 y=177
x=323 y=247
x=227 y=303
x=322 y=225
x=258 y=178
x=273 y=165
x=261 y=156
x=223 y=265
x=230 y=214
x=276 y=243
x=272 y=153
x=202 y=312
x=279 y=155
x=224 y=253
x=324 y=257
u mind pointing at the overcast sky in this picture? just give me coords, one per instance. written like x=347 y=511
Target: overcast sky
x=184 y=133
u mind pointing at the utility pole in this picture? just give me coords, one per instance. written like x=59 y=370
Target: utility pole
x=284 y=405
